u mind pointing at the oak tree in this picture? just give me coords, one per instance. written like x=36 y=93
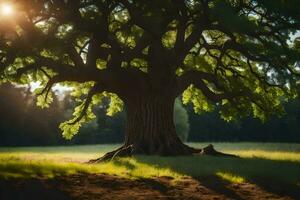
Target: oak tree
x=142 y=54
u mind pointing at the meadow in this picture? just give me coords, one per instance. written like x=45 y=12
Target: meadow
x=280 y=162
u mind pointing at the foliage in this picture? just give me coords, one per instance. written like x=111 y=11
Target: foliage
x=236 y=55
x=22 y=123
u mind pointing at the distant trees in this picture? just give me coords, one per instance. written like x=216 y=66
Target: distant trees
x=103 y=129
x=22 y=123
x=209 y=127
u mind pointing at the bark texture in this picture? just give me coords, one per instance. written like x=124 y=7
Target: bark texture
x=150 y=127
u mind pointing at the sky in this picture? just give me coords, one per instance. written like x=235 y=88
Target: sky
x=59 y=88
x=296 y=35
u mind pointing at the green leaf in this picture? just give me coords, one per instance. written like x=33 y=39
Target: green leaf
x=43 y=101
x=68 y=130
x=115 y=105
x=199 y=101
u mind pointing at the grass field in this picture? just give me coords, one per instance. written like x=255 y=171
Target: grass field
x=279 y=162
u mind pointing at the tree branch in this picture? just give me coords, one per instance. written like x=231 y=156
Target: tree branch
x=97 y=88
x=197 y=78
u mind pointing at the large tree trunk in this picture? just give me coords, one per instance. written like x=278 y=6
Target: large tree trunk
x=150 y=130
x=150 y=127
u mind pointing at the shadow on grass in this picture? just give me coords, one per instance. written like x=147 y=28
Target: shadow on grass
x=30 y=189
x=277 y=177
x=219 y=186
x=214 y=173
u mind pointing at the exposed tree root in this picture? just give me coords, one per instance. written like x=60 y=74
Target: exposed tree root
x=128 y=151
x=124 y=151
x=210 y=150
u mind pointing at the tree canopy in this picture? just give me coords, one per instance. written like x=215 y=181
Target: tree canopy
x=237 y=54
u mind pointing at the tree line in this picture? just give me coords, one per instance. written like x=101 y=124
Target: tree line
x=22 y=123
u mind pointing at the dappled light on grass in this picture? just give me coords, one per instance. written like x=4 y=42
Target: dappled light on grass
x=269 y=155
x=267 y=161
x=14 y=167
x=249 y=169
x=53 y=157
x=137 y=169
x=79 y=153
x=230 y=177
x=46 y=169
x=269 y=151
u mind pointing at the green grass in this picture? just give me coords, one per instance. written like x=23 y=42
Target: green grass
x=279 y=162
x=14 y=167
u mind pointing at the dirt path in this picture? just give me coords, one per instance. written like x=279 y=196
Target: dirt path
x=108 y=187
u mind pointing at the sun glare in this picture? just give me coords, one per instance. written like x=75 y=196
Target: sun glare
x=6 y=9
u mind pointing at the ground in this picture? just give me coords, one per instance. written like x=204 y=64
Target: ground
x=60 y=173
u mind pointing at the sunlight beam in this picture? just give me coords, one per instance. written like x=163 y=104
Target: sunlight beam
x=6 y=9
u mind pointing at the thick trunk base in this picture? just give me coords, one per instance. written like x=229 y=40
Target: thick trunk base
x=129 y=151
x=150 y=130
